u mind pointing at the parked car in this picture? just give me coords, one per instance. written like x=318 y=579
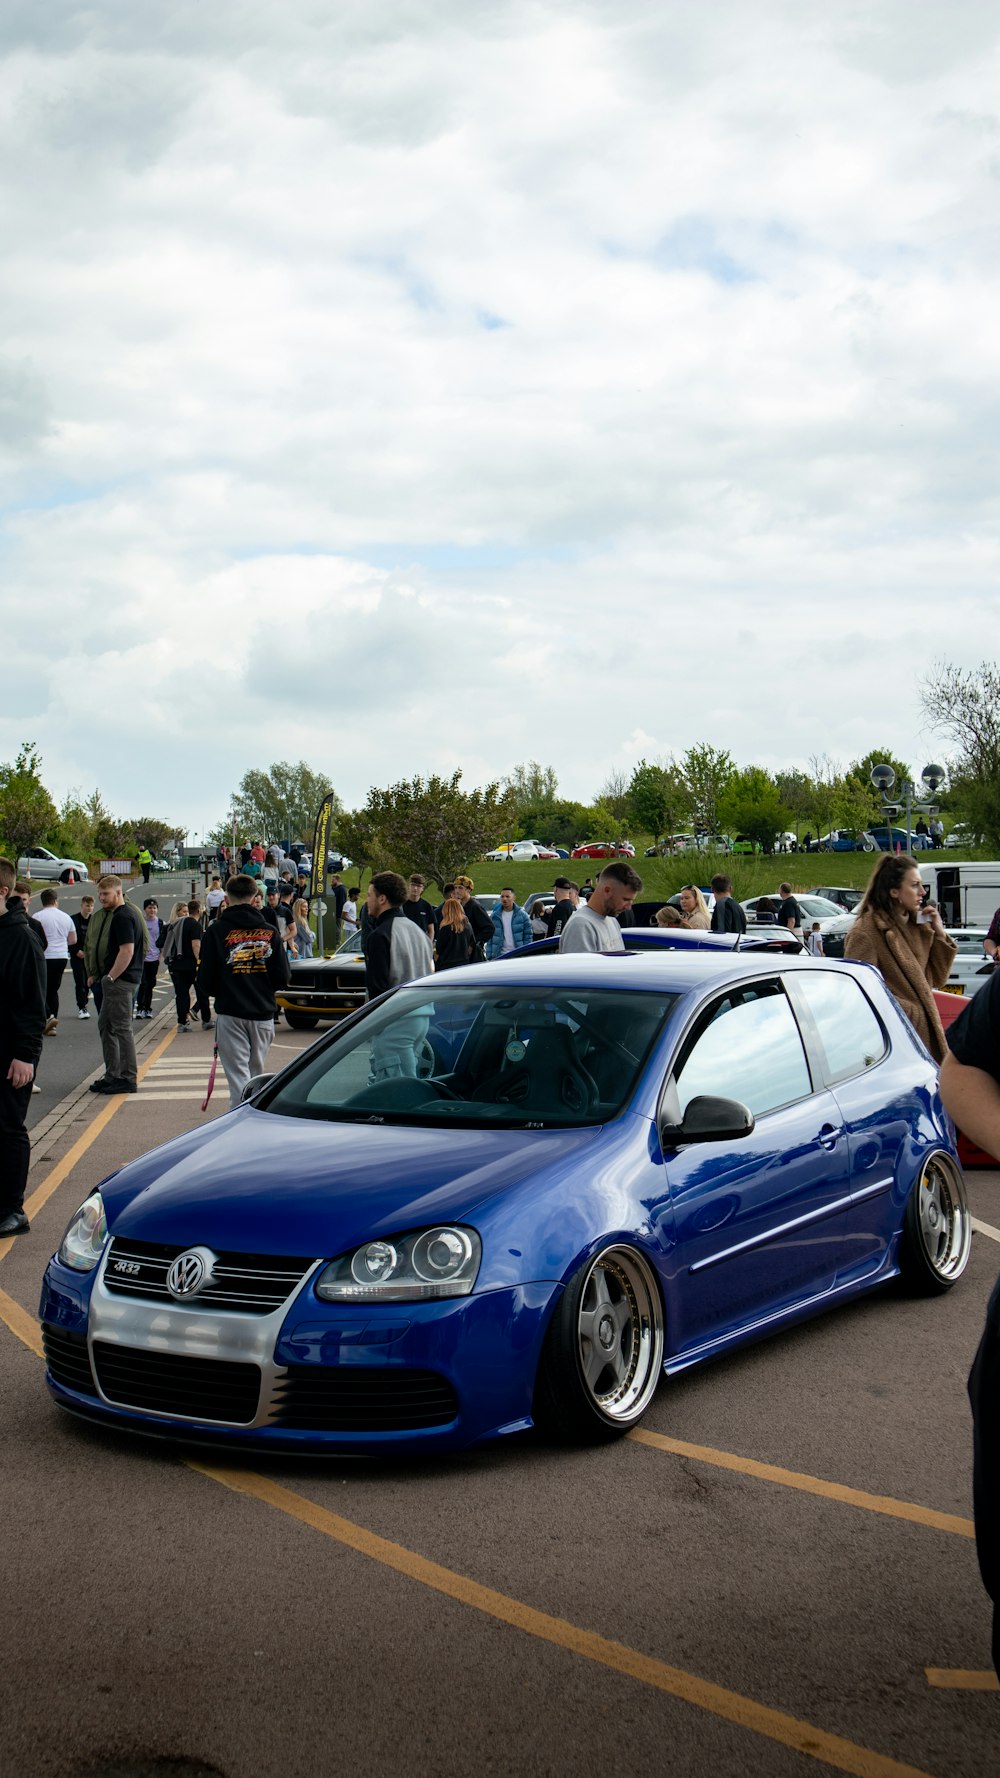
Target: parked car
x=713 y=842
x=887 y=839
x=961 y=836
x=742 y=843
x=813 y=907
x=43 y=866
x=844 y=839
x=599 y=1171
x=847 y=899
x=515 y=852
x=604 y=849
x=325 y=987
x=971 y=968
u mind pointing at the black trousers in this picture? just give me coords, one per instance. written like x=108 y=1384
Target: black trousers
x=146 y=868
x=54 y=967
x=80 y=982
x=184 y=980
x=144 y=998
x=15 y=1148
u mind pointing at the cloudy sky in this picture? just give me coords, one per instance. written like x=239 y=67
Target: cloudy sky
x=443 y=383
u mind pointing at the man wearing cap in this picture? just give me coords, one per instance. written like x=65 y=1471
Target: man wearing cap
x=567 y=901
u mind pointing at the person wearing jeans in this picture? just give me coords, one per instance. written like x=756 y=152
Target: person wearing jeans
x=119 y=953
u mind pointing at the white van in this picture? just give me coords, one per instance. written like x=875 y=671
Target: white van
x=967 y=894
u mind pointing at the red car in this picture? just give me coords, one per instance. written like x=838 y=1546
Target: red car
x=605 y=849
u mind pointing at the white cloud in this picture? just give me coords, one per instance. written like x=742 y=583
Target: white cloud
x=459 y=383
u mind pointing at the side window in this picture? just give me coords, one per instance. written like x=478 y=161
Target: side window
x=850 y=1033
x=750 y=1050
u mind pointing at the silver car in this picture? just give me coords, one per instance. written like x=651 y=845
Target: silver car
x=42 y=866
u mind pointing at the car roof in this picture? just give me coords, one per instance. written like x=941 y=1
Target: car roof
x=677 y=972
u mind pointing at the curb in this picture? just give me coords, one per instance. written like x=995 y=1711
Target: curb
x=56 y=1121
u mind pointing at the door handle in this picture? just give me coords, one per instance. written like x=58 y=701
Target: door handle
x=828 y=1136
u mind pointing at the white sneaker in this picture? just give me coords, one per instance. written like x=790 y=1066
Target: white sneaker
x=83 y=1013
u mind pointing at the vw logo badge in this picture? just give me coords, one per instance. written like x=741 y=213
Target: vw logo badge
x=190 y=1272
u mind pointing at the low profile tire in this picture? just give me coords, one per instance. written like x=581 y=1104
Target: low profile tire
x=66 y=876
x=603 y=1351
x=301 y=1021
x=937 y=1229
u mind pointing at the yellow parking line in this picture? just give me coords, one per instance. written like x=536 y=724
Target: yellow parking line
x=809 y=1484
x=760 y=1719
x=62 y=1169
x=20 y=1323
x=962 y=1679
x=774 y=1725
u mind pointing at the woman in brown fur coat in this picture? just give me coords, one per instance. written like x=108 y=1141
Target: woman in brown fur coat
x=910 y=947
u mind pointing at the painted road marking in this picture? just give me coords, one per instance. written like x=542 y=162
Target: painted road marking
x=64 y=1168
x=962 y=1679
x=157 y=1096
x=808 y=1484
x=760 y=1719
x=21 y=1323
x=984 y=1228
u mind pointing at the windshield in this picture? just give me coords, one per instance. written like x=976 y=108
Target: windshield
x=491 y=1059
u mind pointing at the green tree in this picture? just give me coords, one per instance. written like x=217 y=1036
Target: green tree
x=435 y=827
x=27 y=813
x=796 y=791
x=279 y=804
x=613 y=803
x=708 y=771
x=964 y=705
x=658 y=798
x=533 y=786
x=561 y=823
x=751 y=804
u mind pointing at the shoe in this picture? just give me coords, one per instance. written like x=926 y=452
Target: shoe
x=14 y=1223
x=120 y=1085
x=208 y=1024
x=50 y=1027
x=83 y=1013
x=98 y=1086
x=183 y=1027
x=36 y=1089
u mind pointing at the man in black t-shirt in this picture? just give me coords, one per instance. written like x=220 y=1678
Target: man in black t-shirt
x=184 y=974
x=566 y=903
x=417 y=909
x=970 y=1090
x=789 y=912
x=121 y=947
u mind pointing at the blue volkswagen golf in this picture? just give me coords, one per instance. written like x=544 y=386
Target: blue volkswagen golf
x=512 y=1196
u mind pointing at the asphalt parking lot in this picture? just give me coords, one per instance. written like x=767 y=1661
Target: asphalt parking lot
x=774 y=1575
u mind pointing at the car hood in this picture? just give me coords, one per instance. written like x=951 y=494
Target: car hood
x=259 y=1183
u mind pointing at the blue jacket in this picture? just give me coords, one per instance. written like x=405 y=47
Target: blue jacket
x=520 y=930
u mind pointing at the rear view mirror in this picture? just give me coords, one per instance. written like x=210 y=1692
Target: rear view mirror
x=708 y=1119
x=253 y=1086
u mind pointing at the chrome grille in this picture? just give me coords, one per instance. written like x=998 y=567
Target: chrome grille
x=253 y=1283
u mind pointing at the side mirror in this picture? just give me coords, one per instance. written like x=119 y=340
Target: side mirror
x=708 y=1119
x=253 y=1086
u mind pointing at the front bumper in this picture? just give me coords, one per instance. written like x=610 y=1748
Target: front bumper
x=332 y=1377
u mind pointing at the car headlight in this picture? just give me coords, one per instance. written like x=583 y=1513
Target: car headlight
x=432 y=1263
x=83 y=1243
